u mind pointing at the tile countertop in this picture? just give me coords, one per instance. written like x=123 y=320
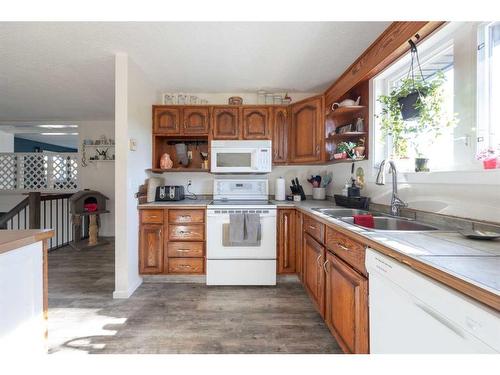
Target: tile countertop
x=184 y=203
x=473 y=261
x=14 y=239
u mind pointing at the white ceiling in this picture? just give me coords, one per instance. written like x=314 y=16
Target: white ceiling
x=65 y=71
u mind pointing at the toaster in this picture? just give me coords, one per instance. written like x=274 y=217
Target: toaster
x=169 y=193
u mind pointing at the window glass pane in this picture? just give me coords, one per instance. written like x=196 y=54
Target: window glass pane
x=234 y=159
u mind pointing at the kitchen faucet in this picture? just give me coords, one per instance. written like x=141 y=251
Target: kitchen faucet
x=396 y=202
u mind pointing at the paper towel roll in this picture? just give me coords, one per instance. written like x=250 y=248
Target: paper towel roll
x=279 y=189
x=153 y=183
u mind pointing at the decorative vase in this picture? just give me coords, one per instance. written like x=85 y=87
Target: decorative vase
x=319 y=193
x=166 y=162
x=421 y=165
x=359 y=151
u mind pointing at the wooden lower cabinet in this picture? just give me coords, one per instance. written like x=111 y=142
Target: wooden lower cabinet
x=172 y=241
x=286 y=241
x=314 y=281
x=299 y=255
x=346 y=305
x=151 y=249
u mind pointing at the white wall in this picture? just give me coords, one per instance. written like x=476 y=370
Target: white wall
x=99 y=176
x=6 y=142
x=248 y=97
x=133 y=98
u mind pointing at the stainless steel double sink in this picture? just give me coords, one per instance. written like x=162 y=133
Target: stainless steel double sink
x=382 y=222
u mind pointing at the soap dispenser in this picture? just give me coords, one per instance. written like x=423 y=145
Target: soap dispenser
x=353 y=190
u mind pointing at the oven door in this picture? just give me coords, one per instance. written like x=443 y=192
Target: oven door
x=234 y=160
x=219 y=247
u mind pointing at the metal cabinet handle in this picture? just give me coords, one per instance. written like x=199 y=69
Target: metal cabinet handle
x=184 y=266
x=319 y=257
x=312 y=227
x=324 y=266
x=342 y=246
x=186 y=216
x=317 y=149
x=183 y=250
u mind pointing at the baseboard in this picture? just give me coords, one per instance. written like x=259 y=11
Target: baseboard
x=291 y=278
x=118 y=294
x=188 y=279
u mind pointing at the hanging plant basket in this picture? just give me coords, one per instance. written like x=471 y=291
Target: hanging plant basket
x=409 y=106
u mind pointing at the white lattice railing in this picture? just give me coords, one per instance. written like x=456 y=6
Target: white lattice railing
x=36 y=171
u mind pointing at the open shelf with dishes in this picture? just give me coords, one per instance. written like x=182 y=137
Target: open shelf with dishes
x=347 y=127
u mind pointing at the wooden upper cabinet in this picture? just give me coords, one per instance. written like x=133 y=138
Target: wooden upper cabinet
x=286 y=241
x=166 y=120
x=346 y=305
x=306 y=131
x=255 y=123
x=280 y=135
x=314 y=281
x=151 y=248
x=195 y=120
x=225 y=123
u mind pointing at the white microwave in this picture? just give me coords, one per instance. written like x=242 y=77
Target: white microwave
x=241 y=156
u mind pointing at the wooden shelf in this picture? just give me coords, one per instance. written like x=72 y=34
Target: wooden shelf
x=349 y=109
x=159 y=170
x=336 y=136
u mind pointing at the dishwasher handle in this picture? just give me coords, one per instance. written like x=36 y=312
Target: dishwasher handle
x=436 y=316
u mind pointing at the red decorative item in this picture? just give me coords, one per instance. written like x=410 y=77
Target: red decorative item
x=364 y=221
x=490 y=163
x=90 y=207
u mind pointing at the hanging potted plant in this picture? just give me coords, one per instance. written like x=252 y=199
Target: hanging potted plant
x=414 y=111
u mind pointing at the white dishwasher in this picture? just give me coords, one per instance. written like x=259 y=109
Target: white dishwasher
x=411 y=313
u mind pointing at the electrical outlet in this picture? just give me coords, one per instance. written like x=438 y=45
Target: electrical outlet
x=189 y=182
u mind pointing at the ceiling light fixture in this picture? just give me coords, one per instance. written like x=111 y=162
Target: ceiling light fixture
x=59 y=133
x=57 y=126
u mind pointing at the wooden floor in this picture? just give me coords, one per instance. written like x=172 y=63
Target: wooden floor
x=174 y=318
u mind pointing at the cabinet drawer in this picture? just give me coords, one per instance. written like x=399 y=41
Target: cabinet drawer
x=193 y=232
x=314 y=228
x=350 y=251
x=185 y=249
x=186 y=265
x=152 y=216
x=186 y=216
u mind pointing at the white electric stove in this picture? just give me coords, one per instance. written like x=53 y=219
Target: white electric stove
x=230 y=264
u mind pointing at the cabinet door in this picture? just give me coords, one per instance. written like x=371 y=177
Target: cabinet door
x=280 y=135
x=286 y=241
x=256 y=124
x=225 y=123
x=306 y=132
x=314 y=281
x=151 y=249
x=195 y=121
x=299 y=255
x=166 y=120
x=346 y=307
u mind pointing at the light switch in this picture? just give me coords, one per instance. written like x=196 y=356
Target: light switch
x=132 y=144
